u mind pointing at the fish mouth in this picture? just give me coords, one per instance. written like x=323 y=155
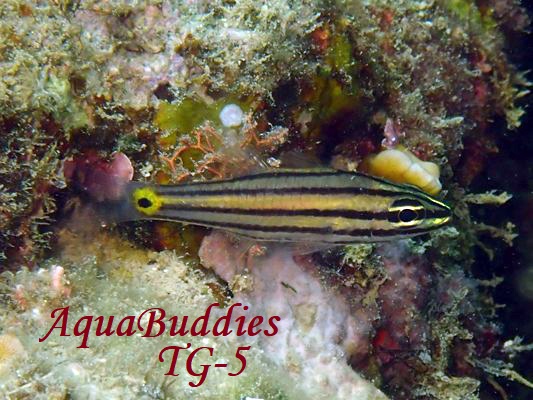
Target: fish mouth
x=443 y=221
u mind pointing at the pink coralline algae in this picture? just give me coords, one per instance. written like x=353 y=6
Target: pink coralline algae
x=398 y=323
x=101 y=179
x=403 y=329
x=320 y=329
x=145 y=58
x=392 y=133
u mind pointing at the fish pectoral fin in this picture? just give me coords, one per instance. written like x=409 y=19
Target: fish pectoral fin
x=253 y=247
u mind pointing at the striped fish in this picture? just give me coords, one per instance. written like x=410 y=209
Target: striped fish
x=319 y=206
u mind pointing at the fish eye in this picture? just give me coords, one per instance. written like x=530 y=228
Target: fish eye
x=406 y=212
x=407 y=215
x=143 y=202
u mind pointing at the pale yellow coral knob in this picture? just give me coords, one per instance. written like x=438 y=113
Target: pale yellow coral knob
x=401 y=166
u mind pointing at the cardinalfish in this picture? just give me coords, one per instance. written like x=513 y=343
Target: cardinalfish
x=318 y=206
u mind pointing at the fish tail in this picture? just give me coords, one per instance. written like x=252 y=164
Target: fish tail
x=119 y=208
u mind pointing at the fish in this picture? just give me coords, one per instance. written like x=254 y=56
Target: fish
x=291 y=205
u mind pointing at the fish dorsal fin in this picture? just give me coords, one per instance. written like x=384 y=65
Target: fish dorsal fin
x=296 y=159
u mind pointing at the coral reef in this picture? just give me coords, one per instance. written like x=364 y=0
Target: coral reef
x=102 y=280
x=135 y=77
x=320 y=330
x=99 y=92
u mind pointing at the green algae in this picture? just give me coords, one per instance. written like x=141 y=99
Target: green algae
x=340 y=54
x=491 y=197
x=358 y=253
x=183 y=117
x=469 y=13
x=66 y=109
x=334 y=96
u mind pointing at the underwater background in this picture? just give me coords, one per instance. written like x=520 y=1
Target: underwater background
x=516 y=262
x=97 y=93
